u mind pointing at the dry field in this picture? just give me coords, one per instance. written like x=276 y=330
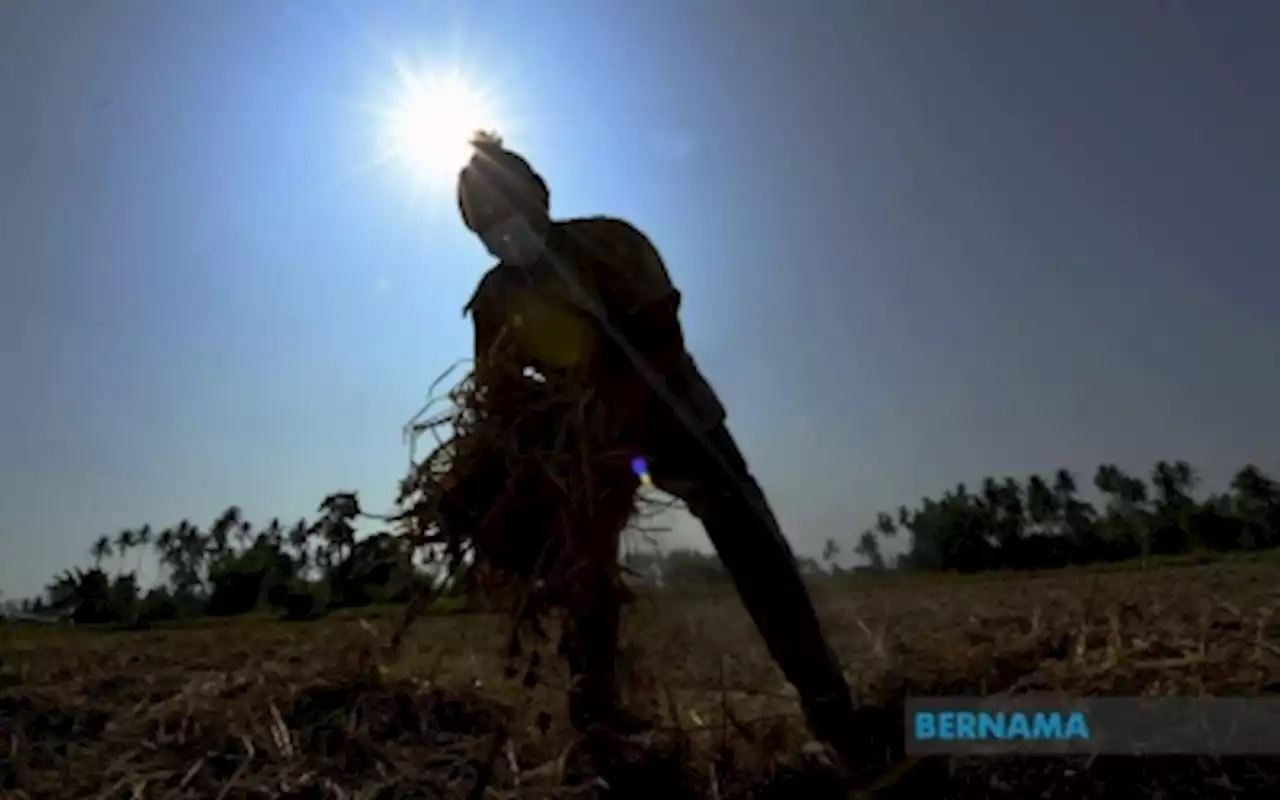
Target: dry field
x=256 y=708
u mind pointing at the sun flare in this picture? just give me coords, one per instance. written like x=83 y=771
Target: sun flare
x=431 y=119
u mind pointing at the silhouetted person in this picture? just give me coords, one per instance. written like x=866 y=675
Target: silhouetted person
x=564 y=294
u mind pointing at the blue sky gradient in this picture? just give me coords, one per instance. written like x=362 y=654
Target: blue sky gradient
x=919 y=242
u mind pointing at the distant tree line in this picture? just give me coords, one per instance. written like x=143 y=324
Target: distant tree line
x=1044 y=524
x=1036 y=523
x=233 y=567
x=305 y=569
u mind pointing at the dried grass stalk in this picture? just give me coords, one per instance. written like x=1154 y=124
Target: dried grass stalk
x=529 y=487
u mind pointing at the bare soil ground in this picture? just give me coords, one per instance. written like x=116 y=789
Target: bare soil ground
x=255 y=708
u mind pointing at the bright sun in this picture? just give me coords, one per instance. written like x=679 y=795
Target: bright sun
x=431 y=120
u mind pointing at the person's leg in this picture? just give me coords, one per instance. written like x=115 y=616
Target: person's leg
x=590 y=635
x=590 y=642
x=713 y=479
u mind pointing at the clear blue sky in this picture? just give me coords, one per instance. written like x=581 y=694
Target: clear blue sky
x=920 y=242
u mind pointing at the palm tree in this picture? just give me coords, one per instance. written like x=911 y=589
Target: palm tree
x=142 y=540
x=190 y=552
x=274 y=533
x=63 y=592
x=1186 y=474
x=166 y=547
x=830 y=550
x=220 y=531
x=124 y=543
x=86 y=595
x=1040 y=502
x=299 y=538
x=992 y=500
x=1014 y=506
x=1007 y=511
x=1073 y=513
x=885 y=525
x=1256 y=502
x=1133 y=491
x=1001 y=503
x=100 y=550
x=904 y=516
x=1064 y=488
x=1174 y=507
x=1107 y=479
x=1173 y=483
x=335 y=526
x=1126 y=510
x=869 y=548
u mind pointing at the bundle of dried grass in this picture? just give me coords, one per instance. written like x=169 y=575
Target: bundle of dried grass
x=529 y=487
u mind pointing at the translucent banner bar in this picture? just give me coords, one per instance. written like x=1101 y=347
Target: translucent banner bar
x=1057 y=725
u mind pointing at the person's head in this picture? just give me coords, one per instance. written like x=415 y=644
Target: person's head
x=504 y=201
